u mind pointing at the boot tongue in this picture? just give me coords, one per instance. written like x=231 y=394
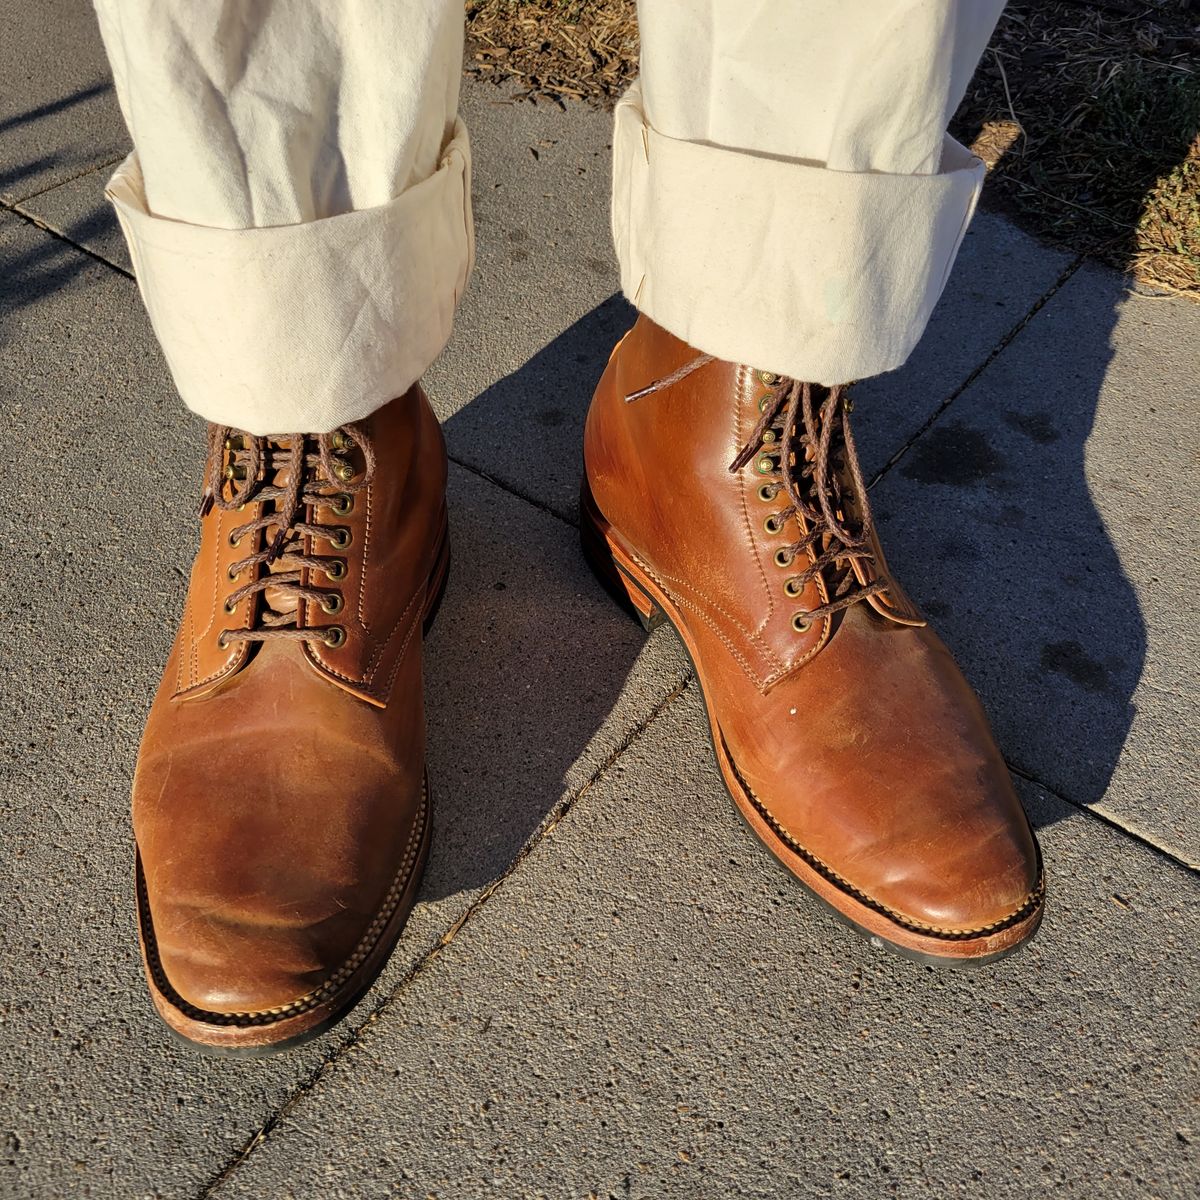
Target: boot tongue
x=280 y=603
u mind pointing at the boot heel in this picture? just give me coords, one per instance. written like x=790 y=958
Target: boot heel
x=620 y=586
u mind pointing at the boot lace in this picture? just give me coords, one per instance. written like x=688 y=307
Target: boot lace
x=804 y=448
x=289 y=476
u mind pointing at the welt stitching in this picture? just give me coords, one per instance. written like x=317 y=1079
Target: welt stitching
x=1030 y=902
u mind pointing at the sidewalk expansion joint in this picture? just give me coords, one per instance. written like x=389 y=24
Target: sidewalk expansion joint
x=38 y=223
x=544 y=830
x=995 y=353
x=50 y=187
x=1097 y=814
x=549 y=509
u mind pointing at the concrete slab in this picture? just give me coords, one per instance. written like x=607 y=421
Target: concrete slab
x=534 y=678
x=58 y=113
x=651 y=1008
x=1048 y=522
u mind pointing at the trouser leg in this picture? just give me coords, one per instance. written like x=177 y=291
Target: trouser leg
x=297 y=205
x=784 y=192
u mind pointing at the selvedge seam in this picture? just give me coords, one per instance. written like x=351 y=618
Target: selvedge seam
x=357 y=957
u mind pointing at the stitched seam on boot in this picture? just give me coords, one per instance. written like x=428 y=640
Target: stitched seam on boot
x=759 y=681
x=362 y=570
x=661 y=580
x=744 y=374
x=358 y=956
x=367 y=677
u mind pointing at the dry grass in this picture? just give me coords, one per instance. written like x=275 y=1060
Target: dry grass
x=1087 y=113
x=582 y=49
x=1100 y=105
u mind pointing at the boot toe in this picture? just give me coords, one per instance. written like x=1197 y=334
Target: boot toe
x=978 y=889
x=228 y=967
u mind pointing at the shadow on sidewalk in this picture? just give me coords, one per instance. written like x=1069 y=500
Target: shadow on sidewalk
x=988 y=520
x=530 y=657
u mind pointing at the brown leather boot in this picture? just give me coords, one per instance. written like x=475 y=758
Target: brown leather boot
x=280 y=802
x=730 y=502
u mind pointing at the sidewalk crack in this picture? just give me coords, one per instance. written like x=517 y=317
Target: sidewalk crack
x=547 y=827
x=549 y=509
x=38 y=223
x=1112 y=822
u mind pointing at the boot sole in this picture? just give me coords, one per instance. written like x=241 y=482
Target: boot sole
x=260 y=1034
x=634 y=590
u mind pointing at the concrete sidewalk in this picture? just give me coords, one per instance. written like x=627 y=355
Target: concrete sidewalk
x=608 y=989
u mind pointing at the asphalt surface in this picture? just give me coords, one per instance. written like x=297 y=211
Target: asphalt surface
x=607 y=988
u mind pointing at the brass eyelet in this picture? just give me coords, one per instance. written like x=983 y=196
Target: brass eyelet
x=335 y=569
x=335 y=635
x=768 y=437
x=342 y=503
x=342 y=537
x=332 y=603
x=763 y=402
x=766 y=493
x=344 y=471
x=223 y=639
x=772 y=525
x=769 y=378
x=340 y=440
x=792 y=588
x=230 y=605
x=801 y=623
x=783 y=558
x=765 y=465
x=233 y=572
x=234 y=540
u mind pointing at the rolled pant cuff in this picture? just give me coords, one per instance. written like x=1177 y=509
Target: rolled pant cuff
x=822 y=275
x=301 y=328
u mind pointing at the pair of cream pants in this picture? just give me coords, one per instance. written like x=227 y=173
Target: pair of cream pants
x=297 y=205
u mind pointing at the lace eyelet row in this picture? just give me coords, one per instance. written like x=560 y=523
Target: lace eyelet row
x=768 y=464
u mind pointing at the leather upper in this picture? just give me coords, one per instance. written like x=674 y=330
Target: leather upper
x=279 y=783
x=859 y=736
